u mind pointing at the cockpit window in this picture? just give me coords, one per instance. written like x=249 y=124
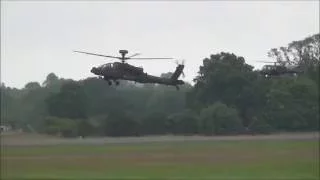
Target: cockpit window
x=109 y=65
x=267 y=67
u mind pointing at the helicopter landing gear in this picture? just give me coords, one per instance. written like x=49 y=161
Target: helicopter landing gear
x=117 y=83
x=110 y=83
x=177 y=87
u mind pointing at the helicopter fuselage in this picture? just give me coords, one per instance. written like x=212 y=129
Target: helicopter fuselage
x=275 y=70
x=116 y=71
x=124 y=71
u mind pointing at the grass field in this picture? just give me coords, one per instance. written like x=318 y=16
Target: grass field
x=254 y=159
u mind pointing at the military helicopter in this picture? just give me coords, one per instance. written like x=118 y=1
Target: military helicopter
x=123 y=71
x=279 y=69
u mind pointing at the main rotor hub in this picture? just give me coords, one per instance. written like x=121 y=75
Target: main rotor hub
x=123 y=54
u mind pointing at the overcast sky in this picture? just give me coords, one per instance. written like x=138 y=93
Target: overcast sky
x=38 y=37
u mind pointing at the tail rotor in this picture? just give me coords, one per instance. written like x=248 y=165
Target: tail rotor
x=180 y=63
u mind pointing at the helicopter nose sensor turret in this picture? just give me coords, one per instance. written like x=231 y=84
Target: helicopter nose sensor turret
x=94 y=70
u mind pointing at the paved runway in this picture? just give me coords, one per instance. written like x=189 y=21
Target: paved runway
x=37 y=140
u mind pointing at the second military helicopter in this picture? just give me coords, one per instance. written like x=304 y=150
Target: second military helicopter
x=280 y=70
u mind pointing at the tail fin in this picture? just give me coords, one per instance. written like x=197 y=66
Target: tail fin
x=177 y=72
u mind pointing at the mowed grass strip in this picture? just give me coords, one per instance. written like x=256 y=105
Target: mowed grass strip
x=183 y=160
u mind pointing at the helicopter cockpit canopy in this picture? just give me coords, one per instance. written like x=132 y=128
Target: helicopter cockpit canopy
x=268 y=67
x=108 y=65
x=292 y=66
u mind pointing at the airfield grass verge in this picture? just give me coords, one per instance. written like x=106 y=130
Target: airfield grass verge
x=267 y=159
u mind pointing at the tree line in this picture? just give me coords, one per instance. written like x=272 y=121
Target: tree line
x=228 y=97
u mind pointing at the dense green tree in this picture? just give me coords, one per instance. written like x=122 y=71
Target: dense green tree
x=32 y=86
x=293 y=104
x=167 y=101
x=154 y=123
x=61 y=126
x=227 y=78
x=98 y=94
x=34 y=108
x=252 y=99
x=259 y=126
x=304 y=53
x=185 y=122
x=70 y=102
x=51 y=80
x=221 y=78
x=8 y=104
x=219 y=119
x=120 y=124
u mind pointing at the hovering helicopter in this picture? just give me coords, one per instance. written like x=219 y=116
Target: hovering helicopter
x=123 y=71
x=279 y=69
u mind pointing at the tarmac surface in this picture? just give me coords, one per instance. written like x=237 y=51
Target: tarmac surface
x=23 y=139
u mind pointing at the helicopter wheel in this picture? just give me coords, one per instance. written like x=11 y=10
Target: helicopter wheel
x=117 y=83
x=110 y=83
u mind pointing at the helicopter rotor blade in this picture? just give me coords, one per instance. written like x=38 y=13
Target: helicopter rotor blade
x=267 y=61
x=180 y=62
x=136 y=54
x=148 y=58
x=97 y=54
